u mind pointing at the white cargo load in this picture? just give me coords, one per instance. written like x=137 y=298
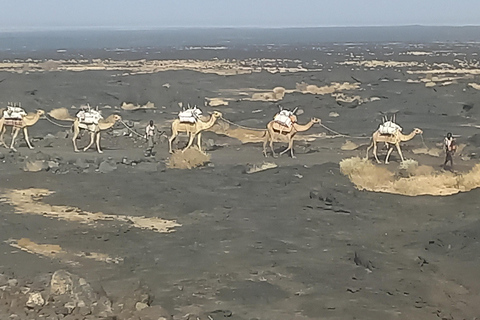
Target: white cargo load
x=89 y=116
x=284 y=118
x=14 y=113
x=389 y=127
x=190 y=115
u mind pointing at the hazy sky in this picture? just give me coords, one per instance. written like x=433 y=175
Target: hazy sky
x=19 y=14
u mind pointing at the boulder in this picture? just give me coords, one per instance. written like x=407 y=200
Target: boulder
x=154 y=313
x=107 y=166
x=35 y=299
x=35 y=165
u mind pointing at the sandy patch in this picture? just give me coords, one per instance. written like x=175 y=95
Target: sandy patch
x=434 y=152
x=244 y=134
x=216 y=66
x=132 y=107
x=261 y=167
x=419 y=180
x=379 y=63
x=61 y=114
x=191 y=158
x=349 y=146
x=29 y=201
x=277 y=94
x=216 y=102
x=474 y=85
x=54 y=251
x=329 y=89
x=419 y=53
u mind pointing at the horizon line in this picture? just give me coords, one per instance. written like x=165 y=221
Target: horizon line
x=152 y=28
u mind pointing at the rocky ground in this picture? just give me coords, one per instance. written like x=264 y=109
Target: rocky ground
x=120 y=235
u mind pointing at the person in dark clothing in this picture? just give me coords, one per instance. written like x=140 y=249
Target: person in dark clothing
x=450 y=148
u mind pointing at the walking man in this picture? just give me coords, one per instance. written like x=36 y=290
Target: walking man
x=450 y=148
x=150 y=131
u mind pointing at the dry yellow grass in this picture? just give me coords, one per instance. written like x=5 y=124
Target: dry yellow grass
x=419 y=180
x=191 y=158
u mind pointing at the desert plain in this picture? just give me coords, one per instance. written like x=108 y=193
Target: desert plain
x=325 y=235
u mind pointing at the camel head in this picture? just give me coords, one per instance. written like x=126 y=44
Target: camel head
x=40 y=112
x=117 y=117
x=418 y=131
x=316 y=120
x=216 y=114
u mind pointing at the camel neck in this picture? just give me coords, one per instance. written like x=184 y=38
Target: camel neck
x=303 y=127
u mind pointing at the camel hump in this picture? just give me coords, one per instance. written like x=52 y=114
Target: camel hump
x=281 y=127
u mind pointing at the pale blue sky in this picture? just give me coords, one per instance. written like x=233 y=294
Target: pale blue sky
x=20 y=14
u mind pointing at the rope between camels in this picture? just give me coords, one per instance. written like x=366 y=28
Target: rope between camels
x=324 y=126
x=138 y=134
x=57 y=124
x=240 y=126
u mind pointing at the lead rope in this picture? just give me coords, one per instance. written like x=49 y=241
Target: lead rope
x=57 y=124
x=138 y=134
x=162 y=133
x=423 y=141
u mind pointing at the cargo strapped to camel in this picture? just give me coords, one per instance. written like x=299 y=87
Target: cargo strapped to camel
x=88 y=116
x=389 y=126
x=286 y=117
x=190 y=115
x=14 y=112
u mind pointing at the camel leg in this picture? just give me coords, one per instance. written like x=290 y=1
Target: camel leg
x=174 y=135
x=199 y=141
x=389 y=152
x=97 y=142
x=375 y=151
x=190 y=142
x=76 y=131
x=92 y=140
x=2 y=133
x=14 y=136
x=25 y=133
x=400 y=152
x=265 y=141
x=290 y=147
x=271 y=147
x=368 y=149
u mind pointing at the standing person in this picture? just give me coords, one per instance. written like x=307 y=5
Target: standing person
x=150 y=131
x=450 y=148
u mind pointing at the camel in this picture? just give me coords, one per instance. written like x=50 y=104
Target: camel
x=391 y=140
x=192 y=129
x=94 y=129
x=275 y=129
x=27 y=121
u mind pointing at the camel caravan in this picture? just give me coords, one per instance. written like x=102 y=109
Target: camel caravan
x=191 y=121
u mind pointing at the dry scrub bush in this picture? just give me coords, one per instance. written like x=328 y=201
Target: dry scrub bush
x=191 y=158
x=421 y=180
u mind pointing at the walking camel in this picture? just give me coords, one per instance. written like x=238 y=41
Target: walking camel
x=391 y=140
x=27 y=121
x=192 y=129
x=275 y=130
x=94 y=129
